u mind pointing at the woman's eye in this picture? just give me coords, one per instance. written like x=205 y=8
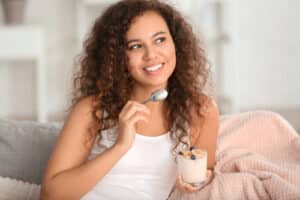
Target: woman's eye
x=160 y=40
x=135 y=46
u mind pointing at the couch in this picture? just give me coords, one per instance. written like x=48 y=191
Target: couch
x=25 y=147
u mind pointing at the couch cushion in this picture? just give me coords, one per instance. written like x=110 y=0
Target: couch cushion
x=25 y=147
x=11 y=189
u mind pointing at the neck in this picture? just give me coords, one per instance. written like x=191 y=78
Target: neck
x=141 y=93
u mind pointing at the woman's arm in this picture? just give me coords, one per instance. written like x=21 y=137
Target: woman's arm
x=69 y=175
x=204 y=131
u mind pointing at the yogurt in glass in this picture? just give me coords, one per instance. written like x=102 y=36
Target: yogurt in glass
x=192 y=166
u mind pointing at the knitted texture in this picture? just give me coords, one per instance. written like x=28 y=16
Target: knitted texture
x=257 y=157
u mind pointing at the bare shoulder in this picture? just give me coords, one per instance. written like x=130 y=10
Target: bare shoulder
x=81 y=111
x=204 y=130
x=209 y=111
x=209 y=106
x=80 y=120
x=84 y=105
x=73 y=142
x=80 y=117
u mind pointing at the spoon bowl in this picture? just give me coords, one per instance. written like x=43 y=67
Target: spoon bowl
x=157 y=95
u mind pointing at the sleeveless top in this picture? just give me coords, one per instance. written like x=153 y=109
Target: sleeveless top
x=147 y=171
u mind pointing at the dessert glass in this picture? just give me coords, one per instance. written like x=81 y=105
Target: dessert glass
x=192 y=166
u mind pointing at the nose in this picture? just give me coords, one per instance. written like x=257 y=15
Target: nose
x=150 y=53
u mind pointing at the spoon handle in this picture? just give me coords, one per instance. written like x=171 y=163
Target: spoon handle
x=146 y=101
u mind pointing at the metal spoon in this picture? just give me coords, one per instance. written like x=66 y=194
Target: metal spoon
x=157 y=95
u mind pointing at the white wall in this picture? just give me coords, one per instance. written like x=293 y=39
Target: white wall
x=266 y=40
x=260 y=64
x=262 y=59
x=58 y=19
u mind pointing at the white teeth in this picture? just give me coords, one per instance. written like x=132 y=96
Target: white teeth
x=153 y=68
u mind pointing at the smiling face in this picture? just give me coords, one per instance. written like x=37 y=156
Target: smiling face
x=150 y=50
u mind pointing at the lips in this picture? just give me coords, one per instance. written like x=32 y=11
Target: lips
x=153 y=68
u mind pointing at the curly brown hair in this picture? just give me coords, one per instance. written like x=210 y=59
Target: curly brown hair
x=104 y=74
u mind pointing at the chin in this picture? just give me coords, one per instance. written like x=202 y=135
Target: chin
x=159 y=84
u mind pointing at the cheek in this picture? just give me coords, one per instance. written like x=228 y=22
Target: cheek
x=172 y=55
x=133 y=63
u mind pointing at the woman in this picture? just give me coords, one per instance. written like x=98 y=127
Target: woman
x=112 y=146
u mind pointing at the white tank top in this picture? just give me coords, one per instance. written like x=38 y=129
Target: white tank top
x=146 y=171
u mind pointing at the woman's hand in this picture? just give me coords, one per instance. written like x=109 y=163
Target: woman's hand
x=131 y=113
x=185 y=187
x=188 y=188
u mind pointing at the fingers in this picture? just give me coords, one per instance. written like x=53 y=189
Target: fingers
x=134 y=111
x=185 y=187
x=131 y=113
x=137 y=117
x=191 y=188
x=209 y=173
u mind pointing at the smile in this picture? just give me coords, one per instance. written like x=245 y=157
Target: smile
x=153 y=68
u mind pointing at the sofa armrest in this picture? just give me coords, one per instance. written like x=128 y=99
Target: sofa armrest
x=25 y=147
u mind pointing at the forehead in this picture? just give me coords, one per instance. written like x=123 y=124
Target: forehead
x=146 y=25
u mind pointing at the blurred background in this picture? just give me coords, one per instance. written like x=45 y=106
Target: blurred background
x=253 y=47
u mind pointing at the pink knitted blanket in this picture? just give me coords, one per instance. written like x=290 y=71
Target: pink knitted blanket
x=258 y=157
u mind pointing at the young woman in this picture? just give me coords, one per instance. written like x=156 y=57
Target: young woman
x=113 y=146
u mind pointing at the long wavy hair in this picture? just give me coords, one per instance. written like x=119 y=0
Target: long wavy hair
x=104 y=74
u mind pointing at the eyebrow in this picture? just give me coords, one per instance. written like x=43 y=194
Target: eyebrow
x=154 y=35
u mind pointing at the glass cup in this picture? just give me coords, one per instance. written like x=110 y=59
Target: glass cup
x=192 y=166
